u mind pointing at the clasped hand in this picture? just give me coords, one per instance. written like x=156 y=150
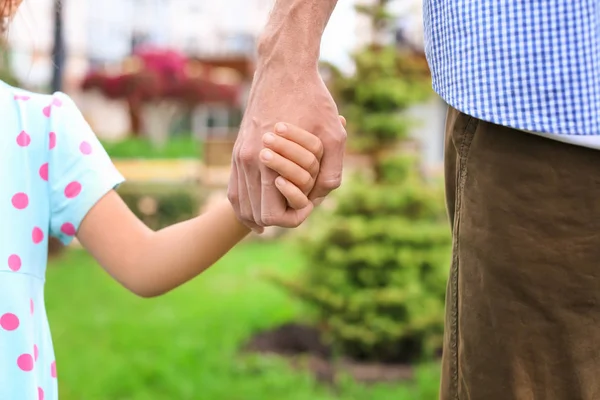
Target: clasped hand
x=281 y=170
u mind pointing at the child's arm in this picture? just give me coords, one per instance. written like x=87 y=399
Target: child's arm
x=151 y=263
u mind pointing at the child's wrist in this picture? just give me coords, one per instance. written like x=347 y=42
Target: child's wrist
x=230 y=218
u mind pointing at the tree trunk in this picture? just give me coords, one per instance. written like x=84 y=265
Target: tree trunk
x=157 y=118
x=135 y=121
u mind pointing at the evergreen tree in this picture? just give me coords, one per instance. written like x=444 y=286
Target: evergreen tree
x=377 y=263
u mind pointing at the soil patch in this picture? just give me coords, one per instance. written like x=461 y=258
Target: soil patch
x=302 y=346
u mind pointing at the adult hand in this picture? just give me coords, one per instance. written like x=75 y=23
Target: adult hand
x=296 y=95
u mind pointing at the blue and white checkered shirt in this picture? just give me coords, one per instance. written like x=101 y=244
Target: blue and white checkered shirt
x=528 y=64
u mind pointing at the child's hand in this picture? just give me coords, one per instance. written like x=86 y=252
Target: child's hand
x=295 y=155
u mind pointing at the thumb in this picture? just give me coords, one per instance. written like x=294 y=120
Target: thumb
x=343 y=120
x=317 y=202
x=297 y=217
x=330 y=173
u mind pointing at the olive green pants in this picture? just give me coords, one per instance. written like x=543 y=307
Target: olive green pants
x=523 y=300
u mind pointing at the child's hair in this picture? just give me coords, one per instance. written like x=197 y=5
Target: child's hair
x=4 y=9
x=7 y=11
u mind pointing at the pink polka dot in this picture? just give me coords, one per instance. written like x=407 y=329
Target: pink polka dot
x=47 y=111
x=23 y=139
x=37 y=235
x=20 y=201
x=31 y=306
x=51 y=140
x=72 y=190
x=40 y=394
x=24 y=98
x=25 y=362
x=68 y=229
x=9 y=322
x=44 y=172
x=53 y=369
x=85 y=148
x=56 y=102
x=36 y=352
x=14 y=262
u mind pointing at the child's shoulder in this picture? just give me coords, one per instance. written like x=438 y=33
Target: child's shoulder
x=38 y=119
x=39 y=103
x=56 y=98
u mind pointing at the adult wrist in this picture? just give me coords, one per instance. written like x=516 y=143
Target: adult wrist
x=293 y=49
x=292 y=36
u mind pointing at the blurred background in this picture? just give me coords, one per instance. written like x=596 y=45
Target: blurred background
x=349 y=306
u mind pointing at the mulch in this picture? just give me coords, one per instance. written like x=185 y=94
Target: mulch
x=302 y=346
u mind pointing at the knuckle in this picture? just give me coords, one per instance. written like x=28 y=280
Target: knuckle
x=246 y=155
x=295 y=223
x=332 y=184
x=301 y=203
x=339 y=138
x=233 y=198
x=269 y=219
x=267 y=181
x=245 y=215
x=248 y=220
x=318 y=149
x=305 y=179
x=313 y=167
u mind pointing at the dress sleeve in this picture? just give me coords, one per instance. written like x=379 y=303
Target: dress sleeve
x=79 y=170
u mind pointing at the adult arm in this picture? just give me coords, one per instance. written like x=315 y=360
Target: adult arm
x=286 y=87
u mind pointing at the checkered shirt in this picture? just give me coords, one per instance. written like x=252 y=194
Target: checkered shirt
x=527 y=64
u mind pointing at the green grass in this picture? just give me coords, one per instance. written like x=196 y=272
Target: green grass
x=133 y=148
x=113 y=346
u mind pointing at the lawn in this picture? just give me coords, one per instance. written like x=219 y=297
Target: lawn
x=113 y=346
x=133 y=148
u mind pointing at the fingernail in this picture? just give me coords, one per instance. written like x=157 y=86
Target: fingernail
x=279 y=181
x=266 y=155
x=280 y=127
x=268 y=138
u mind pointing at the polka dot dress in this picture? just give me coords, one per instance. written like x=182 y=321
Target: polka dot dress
x=53 y=170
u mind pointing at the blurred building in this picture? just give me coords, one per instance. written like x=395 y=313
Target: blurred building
x=193 y=26
x=104 y=32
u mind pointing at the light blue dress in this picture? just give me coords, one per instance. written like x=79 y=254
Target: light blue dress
x=52 y=171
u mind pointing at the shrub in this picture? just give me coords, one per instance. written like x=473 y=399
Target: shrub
x=377 y=270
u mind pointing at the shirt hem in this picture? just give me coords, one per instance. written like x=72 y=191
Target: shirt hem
x=508 y=122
